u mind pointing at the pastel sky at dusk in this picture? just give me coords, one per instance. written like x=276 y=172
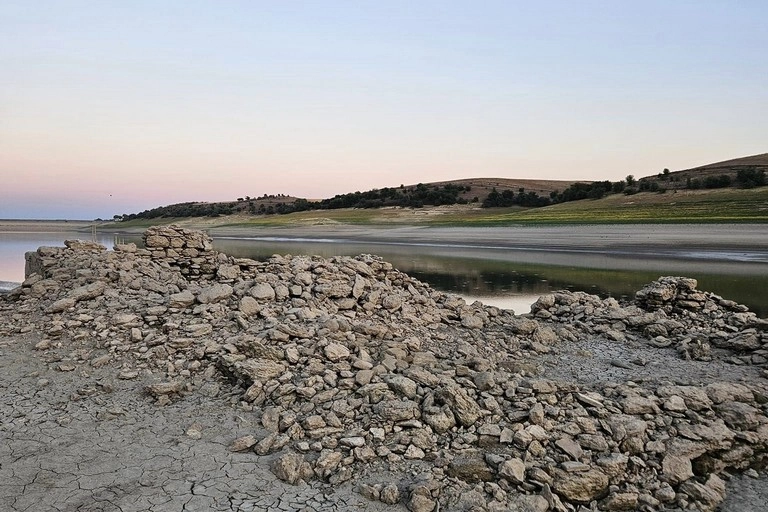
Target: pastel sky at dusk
x=111 y=107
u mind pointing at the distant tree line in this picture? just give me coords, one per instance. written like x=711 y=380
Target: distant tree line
x=507 y=197
x=415 y=197
x=183 y=210
x=435 y=195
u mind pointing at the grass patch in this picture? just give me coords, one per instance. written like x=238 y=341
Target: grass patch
x=715 y=206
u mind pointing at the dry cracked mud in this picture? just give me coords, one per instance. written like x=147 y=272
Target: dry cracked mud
x=81 y=441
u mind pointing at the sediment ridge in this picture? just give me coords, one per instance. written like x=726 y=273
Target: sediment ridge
x=360 y=387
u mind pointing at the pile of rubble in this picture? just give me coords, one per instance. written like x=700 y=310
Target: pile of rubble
x=667 y=312
x=356 y=367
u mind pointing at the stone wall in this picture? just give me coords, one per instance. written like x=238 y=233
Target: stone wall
x=191 y=252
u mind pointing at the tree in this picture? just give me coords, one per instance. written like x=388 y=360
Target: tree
x=630 y=180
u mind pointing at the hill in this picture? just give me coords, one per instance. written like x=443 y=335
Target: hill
x=465 y=191
x=481 y=187
x=714 y=174
x=518 y=194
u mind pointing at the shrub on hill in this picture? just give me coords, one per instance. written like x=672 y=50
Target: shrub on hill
x=750 y=178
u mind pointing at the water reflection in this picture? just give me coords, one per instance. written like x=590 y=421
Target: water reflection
x=14 y=245
x=509 y=279
x=502 y=277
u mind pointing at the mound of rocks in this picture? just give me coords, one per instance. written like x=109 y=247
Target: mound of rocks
x=667 y=312
x=356 y=368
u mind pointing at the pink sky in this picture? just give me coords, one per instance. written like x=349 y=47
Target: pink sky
x=107 y=110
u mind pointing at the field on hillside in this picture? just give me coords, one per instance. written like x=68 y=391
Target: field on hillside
x=721 y=205
x=699 y=206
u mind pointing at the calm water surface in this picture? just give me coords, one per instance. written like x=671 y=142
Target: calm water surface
x=505 y=278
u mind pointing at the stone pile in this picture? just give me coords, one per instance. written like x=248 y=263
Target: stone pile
x=355 y=368
x=667 y=312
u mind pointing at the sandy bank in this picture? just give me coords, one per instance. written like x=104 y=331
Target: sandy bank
x=44 y=226
x=608 y=237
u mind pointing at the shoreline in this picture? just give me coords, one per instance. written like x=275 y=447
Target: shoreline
x=592 y=236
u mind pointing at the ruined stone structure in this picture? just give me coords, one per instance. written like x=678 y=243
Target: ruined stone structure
x=191 y=252
x=354 y=367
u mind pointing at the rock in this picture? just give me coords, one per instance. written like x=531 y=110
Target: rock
x=228 y=272
x=471 y=467
x=720 y=392
x=392 y=302
x=471 y=321
x=327 y=463
x=421 y=503
x=262 y=291
x=403 y=386
x=440 y=419
x=353 y=363
x=636 y=405
x=165 y=388
x=181 y=300
x=739 y=416
x=215 y=293
x=84 y=245
x=513 y=470
x=291 y=468
x=242 y=443
x=413 y=452
x=522 y=326
x=352 y=442
x=390 y=494
x=581 y=487
x=88 y=292
x=249 y=306
x=259 y=370
x=464 y=408
x=676 y=465
x=336 y=352
x=621 y=501
x=485 y=381
x=709 y=495
x=61 y=305
x=570 y=447
x=675 y=404
x=536 y=414
x=397 y=410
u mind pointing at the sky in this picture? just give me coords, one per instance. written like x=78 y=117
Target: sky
x=112 y=107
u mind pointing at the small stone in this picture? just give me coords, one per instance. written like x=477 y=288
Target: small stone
x=413 y=452
x=513 y=470
x=242 y=443
x=336 y=352
x=390 y=494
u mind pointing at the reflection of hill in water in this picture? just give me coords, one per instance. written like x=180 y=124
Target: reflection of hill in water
x=483 y=276
x=489 y=283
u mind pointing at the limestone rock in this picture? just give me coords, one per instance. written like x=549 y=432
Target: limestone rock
x=292 y=468
x=581 y=487
x=513 y=470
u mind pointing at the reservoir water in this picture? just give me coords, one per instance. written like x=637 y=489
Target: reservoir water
x=499 y=276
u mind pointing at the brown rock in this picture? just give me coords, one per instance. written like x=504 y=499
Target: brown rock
x=581 y=487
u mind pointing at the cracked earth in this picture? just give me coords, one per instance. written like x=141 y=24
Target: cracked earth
x=75 y=441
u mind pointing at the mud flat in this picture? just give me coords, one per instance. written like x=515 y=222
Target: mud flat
x=43 y=226
x=603 y=238
x=175 y=377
